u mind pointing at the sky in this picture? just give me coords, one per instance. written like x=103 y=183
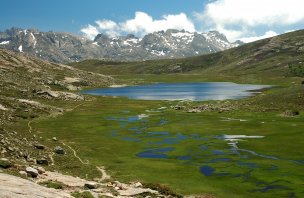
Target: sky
x=246 y=20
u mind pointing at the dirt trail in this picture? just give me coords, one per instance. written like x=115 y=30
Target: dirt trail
x=29 y=126
x=75 y=154
x=104 y=176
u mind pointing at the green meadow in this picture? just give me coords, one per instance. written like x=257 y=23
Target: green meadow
x=152 y=142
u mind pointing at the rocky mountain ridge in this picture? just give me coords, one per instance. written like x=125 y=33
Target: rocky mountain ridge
x=65 y=47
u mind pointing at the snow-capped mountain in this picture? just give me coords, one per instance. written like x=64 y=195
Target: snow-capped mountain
x=66 y=47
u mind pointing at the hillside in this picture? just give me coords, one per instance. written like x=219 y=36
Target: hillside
x=277 y=56
x=24 y=78
x=31 y=88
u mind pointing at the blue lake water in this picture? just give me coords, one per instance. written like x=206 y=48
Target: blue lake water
x=182 y=91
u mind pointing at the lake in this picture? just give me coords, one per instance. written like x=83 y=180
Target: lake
x=182 y=91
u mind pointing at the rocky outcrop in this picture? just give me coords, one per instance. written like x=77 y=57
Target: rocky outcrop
x=16 y=187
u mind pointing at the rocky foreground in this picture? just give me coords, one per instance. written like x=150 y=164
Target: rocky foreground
x=17 y=187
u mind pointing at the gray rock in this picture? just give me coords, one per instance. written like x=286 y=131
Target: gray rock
x=32 y=172
x=54 y=139
x=39 y=146
x=59 y=150
x=42 y=161
x=91 y=185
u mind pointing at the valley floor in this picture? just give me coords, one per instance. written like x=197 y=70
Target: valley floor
x=182 y=146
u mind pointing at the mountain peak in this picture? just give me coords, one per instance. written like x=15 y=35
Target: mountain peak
x=66 y=47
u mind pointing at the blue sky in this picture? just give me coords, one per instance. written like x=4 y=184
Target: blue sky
x=72 y=15
x=247 y=20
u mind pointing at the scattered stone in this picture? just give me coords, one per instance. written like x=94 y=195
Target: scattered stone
x=32 y=172
x=118 y=185
x=59 y=150
x=91 y=185
x=11 y=149
x=3 y=151
x=54 y=139
x=31 y=160
x=136 y=191
x=23 y=173
x=291 y=113
x=39 y=146
x=72 y=87
x=194 y=111
x=177 y=107
x=5 y=163
x=40 y=169
x=137 y=185
x=3 y=108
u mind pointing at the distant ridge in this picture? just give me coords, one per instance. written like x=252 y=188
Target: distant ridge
x=65 y=47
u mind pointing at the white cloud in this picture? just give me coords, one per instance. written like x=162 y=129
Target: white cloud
x=238 y=18
x=255 y=38
x=143 y=23
x=106 y=24
x=90 y=31
x=108 y=27
x=140 y=25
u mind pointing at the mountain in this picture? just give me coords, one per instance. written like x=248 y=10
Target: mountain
x=65 y=47
x=278 y=56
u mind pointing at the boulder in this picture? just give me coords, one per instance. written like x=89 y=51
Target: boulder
x=59 y=150
x=40 y=169
x=42 y=161
x=91 y=185
x=32 y=172
x=23 y=173
x=5 y=163
x=46 y=93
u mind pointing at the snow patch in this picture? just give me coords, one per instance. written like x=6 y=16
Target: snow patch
x=182 y=34
x=95 y=43
x=187 y=37
x=20 y=48
x=4 y=42
x=158 y=53
x=34 y=39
